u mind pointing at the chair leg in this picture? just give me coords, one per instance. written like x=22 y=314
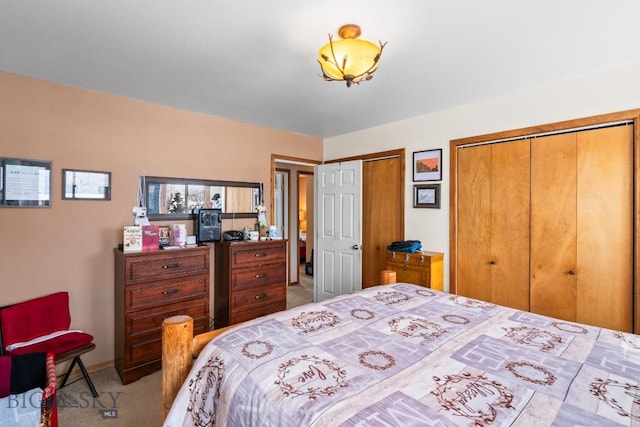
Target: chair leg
x=85 y=374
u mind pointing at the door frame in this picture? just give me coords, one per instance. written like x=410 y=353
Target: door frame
x=293 y=215
x=577 y=124
x=307 y=175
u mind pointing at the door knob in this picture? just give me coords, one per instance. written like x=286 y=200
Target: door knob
x=355 y=247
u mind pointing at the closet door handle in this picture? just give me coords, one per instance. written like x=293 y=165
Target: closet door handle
x=492 y=262
x=571 y=273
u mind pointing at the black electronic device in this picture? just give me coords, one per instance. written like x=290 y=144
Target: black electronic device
x=233 y=235
x=208 y=225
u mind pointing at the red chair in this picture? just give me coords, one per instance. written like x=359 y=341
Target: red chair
x=42 y=325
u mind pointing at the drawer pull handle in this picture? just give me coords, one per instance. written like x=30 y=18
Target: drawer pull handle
x=260 y=276
x=261 y=296
x=171 y=291
x=167 y=266
x=260 y=254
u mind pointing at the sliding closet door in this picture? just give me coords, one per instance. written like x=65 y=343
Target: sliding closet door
x=493 y=223
x=605 y=225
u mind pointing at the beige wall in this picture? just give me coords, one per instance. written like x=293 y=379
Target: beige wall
x=70 y=245
x=612 y=90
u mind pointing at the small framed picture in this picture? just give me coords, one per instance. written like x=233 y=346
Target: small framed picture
x=163 y=236
x=427 y=165
x=426 y=196
x=85 y=185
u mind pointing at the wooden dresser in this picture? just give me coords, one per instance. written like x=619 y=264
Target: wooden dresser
x=421 y=268
x=250 y=280
x=149 y=287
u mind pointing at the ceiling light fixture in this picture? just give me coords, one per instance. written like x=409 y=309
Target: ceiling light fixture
x=349 y=59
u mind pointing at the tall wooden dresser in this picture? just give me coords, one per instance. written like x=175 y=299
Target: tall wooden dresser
x=149 y=287
x=421 y=268
x=250 y=280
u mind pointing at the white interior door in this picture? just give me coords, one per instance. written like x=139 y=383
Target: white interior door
x=337 y=229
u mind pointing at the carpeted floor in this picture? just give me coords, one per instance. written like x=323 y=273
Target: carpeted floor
x=138 y=404
x=302 y=292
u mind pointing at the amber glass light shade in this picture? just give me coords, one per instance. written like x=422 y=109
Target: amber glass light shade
x=349 y=59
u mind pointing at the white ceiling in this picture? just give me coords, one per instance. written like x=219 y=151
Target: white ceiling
x=254 y=61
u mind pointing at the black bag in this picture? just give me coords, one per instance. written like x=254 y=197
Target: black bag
x=405 y=246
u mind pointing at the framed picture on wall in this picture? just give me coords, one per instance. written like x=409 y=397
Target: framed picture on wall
x=426 y=196
x=25 y=183
x=427 y=165
x=85 y=185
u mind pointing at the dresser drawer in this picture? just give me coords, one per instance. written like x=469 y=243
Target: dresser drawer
x=254 y=255
x=150 y=320
x=165 y=292
x=148 y=348
x=170 y=264
x=243 y=316
x=243 y=278
x=251 y=298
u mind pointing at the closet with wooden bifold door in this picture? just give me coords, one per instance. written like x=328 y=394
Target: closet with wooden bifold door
x=493 y=223
x=545 y=223
x=581 y=226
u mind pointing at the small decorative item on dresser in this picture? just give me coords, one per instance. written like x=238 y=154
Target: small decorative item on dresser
x=132 y=239
x=150 y=238
x=178 y=235
x=163 y=236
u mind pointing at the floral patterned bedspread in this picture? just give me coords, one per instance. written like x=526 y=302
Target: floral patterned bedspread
x=404 y=355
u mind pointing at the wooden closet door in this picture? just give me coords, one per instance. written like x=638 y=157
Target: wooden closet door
x=473 y=268
x=382 y=201
x=510 y=207
x=553 y=226
x=493 y=223
x=582 y=227
x=605 y=228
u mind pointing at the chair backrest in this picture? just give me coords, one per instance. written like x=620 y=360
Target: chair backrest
x=34 y=318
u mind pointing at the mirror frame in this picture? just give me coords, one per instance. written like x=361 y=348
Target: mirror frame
x=150 y=180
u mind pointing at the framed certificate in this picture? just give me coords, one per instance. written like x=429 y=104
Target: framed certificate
x=25 y=183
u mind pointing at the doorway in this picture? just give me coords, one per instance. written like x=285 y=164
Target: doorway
x=295 y=168
x=305 y=216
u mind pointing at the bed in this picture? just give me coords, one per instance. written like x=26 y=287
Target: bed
x=402 y=354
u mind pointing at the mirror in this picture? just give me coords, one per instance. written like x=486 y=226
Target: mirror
x=179 y=198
